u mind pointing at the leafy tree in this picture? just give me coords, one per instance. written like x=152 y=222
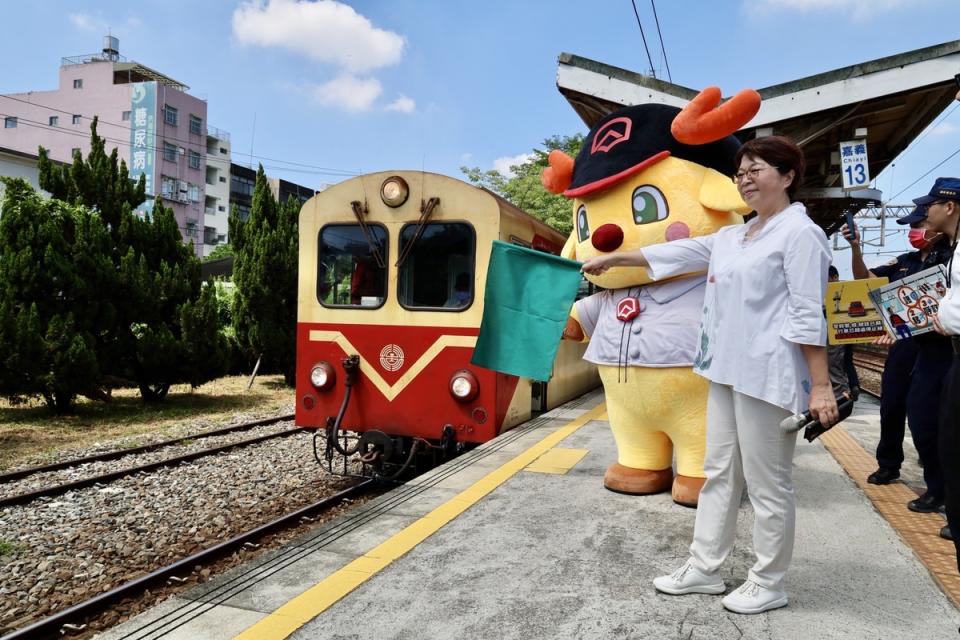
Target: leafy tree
x=524 y=189
x=161 y=317
x=99 y=181
x=265 y=275
x=221 y=251
x=56 y=279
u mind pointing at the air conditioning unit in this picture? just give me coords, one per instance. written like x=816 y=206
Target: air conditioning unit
x=182 y=185
x=183 y=197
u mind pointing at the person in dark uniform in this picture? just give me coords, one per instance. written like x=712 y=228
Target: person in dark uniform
x=944 y=216
x=911 y=383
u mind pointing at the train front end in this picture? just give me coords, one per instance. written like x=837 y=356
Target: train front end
x=392 y=268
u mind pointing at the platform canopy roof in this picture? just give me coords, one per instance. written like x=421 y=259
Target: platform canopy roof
x=894 y=98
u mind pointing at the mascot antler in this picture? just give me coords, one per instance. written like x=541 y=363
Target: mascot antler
x=703 y=121
x=558 y=176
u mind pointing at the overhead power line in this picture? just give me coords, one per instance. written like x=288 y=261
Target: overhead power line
x=657 y=20
x=319 y=169
x=649 y=58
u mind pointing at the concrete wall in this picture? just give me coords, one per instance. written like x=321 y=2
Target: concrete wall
x=217 y=205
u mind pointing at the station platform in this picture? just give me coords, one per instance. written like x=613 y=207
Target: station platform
x=519 y=539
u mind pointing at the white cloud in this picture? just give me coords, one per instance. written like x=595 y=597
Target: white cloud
x=347 y=92
x=503 y=164
x=403 y=104
x=327 y=31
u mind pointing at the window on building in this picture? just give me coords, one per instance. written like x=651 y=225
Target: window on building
x=10 y=122
x=241 y=185
x=349 y=267
x=53 y=120
x=76 y=119
x=168 y=187
x=125 y=116
x=75 y=151
x=222 y=179
x=193 y=159
x=169 y=152
x=437 y=272
x=170 y=115
x=196 y=124
x=78 y=83
x=220 y=207
x=223 y=150
x=193 y=192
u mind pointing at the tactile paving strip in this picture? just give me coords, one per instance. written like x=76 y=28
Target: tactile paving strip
x=920 y=531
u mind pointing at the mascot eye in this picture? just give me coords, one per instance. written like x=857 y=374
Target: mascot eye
x=583 y=227
x=649 y=205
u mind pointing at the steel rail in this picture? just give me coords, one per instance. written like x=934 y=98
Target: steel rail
x=113 y=455
x=51 y=626
x=116 y=475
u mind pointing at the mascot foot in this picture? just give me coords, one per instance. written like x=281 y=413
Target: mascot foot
x=686 y=490
x=636 y=481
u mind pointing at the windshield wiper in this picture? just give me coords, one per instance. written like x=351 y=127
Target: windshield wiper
x=426 y=209
x=358 y=211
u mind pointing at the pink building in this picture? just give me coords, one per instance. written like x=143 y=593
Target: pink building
x=155 y=125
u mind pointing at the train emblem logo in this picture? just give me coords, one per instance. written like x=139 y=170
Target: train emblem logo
x=391 y=357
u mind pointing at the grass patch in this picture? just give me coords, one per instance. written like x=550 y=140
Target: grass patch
x=8 y=548
x=32 y=432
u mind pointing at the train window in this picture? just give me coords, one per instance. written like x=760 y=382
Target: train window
x=349 y=268
x=438 y=272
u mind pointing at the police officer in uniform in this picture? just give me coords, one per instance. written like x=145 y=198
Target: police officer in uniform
x=912 y=377
x=944 y=216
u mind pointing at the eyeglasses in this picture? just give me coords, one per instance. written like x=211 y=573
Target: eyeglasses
x=753 y=173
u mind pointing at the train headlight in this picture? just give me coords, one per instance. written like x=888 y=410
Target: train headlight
x=464 y=386
x=322 y=376
x=394 y=191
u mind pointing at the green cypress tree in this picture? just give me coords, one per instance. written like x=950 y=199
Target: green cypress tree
x=265 y=275
x=55 y=281
x=158 y=275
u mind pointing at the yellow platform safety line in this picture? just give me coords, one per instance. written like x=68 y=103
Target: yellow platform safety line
x=557 y=461
x=392 y=391
x=320 y=597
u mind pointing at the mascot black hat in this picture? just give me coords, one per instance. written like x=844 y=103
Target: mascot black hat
x=629 y=140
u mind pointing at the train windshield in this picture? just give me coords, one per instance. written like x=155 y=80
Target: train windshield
x=351 y=268
x=438 y=271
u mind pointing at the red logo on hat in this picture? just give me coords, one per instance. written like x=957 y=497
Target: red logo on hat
x=628 y=309
x=611 y=134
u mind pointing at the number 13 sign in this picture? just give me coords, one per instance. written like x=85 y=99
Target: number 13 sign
x=853 y=164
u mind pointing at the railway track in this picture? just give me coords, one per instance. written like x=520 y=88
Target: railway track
x=64 y=622
x=102 y=478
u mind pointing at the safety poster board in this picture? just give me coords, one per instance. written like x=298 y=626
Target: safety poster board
x=907 y=305
x=852 y=316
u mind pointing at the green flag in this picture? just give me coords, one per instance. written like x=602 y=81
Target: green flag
x=526 y=305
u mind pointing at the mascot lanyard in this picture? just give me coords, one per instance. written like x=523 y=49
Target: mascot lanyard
x=627 y=310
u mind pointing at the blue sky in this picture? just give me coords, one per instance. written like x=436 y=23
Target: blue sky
x=407 y=84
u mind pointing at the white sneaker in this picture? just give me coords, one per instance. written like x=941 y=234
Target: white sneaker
x=689 y=579
x=750 y=597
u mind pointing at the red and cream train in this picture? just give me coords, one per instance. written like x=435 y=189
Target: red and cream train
x=392 y=273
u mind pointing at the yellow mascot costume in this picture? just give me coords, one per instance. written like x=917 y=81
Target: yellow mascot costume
x=649 y=174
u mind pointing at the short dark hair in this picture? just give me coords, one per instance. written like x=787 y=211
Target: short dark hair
x=777 y=151
x=832 y=271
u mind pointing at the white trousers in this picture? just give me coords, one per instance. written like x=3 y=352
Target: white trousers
x=746 y=447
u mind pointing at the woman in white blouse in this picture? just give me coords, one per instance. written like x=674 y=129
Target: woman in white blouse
x=762 y=337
